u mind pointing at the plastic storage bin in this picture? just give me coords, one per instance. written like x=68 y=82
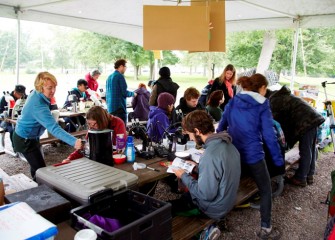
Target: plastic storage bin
x=82 y=178
x=141 y=217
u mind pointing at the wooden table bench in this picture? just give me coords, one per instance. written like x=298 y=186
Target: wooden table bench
x=16 y=183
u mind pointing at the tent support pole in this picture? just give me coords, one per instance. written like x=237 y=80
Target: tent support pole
x=303 y=52
x=295 y=52
x=18 y=37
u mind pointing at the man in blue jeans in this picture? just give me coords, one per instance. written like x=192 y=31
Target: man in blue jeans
x=116 y=91
x=299 y=122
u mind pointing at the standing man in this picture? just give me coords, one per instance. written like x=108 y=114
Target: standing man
x=299 y=122
x=116 y=91
x=163 y=84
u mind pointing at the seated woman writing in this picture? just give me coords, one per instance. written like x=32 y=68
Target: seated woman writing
x=98 y=119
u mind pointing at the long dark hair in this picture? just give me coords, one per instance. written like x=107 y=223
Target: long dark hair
x=214 y=98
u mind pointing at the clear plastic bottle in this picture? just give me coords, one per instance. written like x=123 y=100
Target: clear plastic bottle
x=130 y=149
x=82 y=105
x=86 y=148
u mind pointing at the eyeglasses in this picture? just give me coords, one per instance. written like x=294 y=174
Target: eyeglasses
x=92 y=124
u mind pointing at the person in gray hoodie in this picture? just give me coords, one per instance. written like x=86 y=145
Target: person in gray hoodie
x=219 y=170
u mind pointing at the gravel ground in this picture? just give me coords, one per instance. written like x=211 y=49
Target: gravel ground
x=297 y=212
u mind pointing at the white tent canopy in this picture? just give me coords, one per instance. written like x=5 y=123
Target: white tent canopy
x=124 y=18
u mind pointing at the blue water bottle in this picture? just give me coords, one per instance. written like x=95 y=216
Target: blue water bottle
x=130 y=149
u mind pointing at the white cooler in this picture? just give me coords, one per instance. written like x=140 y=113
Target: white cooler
x=83 y=178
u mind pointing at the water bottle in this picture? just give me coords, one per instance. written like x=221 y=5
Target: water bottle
x=130 y=149
x=87 y=148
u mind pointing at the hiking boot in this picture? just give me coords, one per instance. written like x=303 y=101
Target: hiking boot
x=296 y=182
x=310 y=180
x=269 y=234
x=210 y=233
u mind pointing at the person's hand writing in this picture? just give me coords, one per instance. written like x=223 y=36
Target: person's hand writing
x=178 y=171
x=78 y=144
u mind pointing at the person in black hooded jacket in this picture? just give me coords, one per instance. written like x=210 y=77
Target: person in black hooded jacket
x=163 y=84
x=187 y=104
x=299 y=122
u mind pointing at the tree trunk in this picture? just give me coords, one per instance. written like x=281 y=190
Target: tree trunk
x=152 y=70
x=269 y=44
x=136 y=69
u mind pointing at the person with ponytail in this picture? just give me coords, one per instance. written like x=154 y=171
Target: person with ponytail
x=226 y=82
x=249 y=121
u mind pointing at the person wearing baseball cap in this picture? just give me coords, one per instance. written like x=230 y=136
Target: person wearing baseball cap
x=20 y=90
x=18 y=93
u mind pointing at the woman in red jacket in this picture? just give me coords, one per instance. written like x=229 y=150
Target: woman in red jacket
x=98 y=119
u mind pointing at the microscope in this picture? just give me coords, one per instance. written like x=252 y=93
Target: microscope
x=17 y=109
x=139 y=132
x=73 y=99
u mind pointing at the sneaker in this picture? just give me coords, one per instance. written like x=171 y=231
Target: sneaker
x=269 y=234
x=296 y=182
x=210 y=233
x=310 y=180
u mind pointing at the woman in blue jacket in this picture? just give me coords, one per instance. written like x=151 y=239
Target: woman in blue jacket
x=34 y=119
x=248 y=119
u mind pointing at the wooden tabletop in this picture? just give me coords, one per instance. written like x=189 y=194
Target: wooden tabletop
x=146 y=175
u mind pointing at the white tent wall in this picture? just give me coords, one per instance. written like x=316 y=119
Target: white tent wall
x=124 y=18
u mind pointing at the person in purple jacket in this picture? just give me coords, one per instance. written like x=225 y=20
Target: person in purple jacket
x=140 y=104
x=159 y=117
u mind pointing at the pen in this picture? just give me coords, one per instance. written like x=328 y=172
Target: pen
x=153 y=169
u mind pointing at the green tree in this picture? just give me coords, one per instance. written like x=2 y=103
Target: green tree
x=205 y=59
x=244 y=48
x=319 y=49
x=282 y=55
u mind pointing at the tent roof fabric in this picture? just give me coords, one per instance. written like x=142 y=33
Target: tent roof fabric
x=124 y=18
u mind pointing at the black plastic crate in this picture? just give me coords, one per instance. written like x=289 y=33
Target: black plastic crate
x=141 y=217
